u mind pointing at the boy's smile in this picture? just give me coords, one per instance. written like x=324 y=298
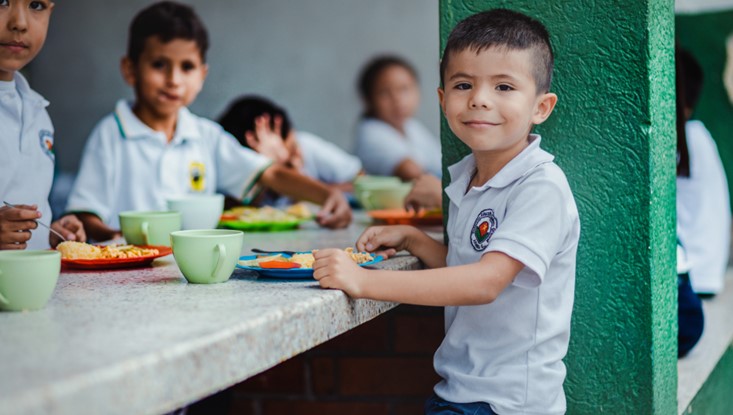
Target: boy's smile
x=23 y=28
x=167 y=77
x=491 y=102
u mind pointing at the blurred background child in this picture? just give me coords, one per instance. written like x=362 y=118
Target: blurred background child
x=26 y=134
x=260 y=124
x=389 y=140
x=154 y=148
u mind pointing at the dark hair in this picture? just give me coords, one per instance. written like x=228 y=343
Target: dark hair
x=692 y=77
x=505 y=29
x=688 y=81
x=240 y=116
x=168 y=20
x=371 y=72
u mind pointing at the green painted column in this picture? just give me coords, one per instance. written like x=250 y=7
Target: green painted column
x=613 y=133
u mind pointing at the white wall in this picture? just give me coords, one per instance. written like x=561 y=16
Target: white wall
x=304 y=54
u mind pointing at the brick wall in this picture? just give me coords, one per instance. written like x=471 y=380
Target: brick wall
x=383 y=367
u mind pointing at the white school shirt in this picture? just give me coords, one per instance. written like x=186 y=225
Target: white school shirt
x=26 y=152
x=129 y=166
x=325 y=161
x=703 y=212
x=509 y=353
x=382 y=148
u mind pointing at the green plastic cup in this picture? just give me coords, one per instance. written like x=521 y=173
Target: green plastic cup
x=149 y=228
x=207 y=256
x=27 y=279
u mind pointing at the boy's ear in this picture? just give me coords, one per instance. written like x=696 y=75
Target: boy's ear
x=128 y=71
x=441 y=98
x=545 y=104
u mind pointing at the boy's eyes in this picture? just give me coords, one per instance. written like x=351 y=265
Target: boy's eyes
x=38 y=5
x=504 y=87
x=188 y=66
x=3 y=2
x=462 y=86
x=158 y=64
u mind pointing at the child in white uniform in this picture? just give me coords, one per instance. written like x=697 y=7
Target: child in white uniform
x=155 y=148
x=26 y=134
x=389 y=141
x=513 y=231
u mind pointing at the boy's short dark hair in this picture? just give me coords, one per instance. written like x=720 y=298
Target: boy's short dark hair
x=691 y=74
x=168 y=20
x=240 y=116
x=504 y=29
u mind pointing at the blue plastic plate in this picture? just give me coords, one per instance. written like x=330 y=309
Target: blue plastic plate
x=292 y=273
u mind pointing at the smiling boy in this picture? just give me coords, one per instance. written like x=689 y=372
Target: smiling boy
x=26 y=134
x=513 y=231
x=154 y=148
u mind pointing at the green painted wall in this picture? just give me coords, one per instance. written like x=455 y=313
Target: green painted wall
x=613 y=134
x=715 y=398
x=704 y=36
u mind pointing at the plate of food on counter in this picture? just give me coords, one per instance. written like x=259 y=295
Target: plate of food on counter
x=432 y=217
x=296 y=265
x=86 y=256
x=266 y=218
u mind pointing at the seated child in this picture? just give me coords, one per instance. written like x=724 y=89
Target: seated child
x=155 y=148
x=26 y=135
x=703 y=207
x=261 y=125
x=512 y=230
x=389 y=141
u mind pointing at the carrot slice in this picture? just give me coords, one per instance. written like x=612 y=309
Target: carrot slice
x=278 y=265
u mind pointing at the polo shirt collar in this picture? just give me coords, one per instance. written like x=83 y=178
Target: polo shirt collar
x=27 y=93
x=131 y=127
x=461 y=172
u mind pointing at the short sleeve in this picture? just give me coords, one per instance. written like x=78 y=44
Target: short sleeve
x=533 y=229
x=380 y=147
x=238 y=168
x=325 y=161
x=94 y=188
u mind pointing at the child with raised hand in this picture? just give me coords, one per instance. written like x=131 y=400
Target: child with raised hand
x=389 y=140
x=260 y=124
x=26 y=134
x=155 y=148
x=507 y=276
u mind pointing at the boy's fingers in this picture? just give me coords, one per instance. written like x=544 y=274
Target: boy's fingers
x=13 y=246
x=15 y=226
x=251 y=140
x=15 y=237
x=23 y=212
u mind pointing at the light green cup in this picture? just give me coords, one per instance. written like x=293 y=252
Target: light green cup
x=382 y=195
x=149 y=228
x=27 y=278
x=207 y=256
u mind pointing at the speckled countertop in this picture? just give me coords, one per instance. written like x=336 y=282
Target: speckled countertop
x=145 y=341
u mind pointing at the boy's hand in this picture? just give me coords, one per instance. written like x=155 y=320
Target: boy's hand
x=334 y=268
x=426 y=193
x=71 y=227
x=16 y=224
x=335 y=211
x=384 y=240
x=268 y=141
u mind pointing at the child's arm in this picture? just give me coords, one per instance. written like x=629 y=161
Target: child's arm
x=96 y=229
x=391 y=239
x=335 y=211
x=472 y=284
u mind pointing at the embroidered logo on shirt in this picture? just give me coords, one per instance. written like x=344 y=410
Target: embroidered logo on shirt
x=197 y=176
x=46 y=141
x=483 y=228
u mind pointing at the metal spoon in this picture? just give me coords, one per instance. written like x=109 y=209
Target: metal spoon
x=39 y=222
x=262 y=251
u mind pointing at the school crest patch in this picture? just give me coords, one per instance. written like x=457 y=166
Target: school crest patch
x=46 y=141
x=482 y=229
x=197 y=176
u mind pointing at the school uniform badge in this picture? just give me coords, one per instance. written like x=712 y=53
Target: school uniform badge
x=197 y=176
x=483 y=228
x=46 y=141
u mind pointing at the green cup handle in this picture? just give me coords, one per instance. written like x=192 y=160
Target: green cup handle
x=144 y=229
x=221 y=250
x=3 y=300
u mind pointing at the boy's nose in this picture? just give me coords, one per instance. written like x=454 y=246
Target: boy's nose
x=480 y=99
x=174 y=76
x=17 y=19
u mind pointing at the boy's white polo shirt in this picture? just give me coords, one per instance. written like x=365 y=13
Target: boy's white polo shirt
x=325 y=161
x=129 y=166
x=509 y=352
x=26 y=152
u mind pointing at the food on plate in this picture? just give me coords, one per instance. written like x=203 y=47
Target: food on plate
x=303 y=260
x=250 y=214
x=81 y=250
